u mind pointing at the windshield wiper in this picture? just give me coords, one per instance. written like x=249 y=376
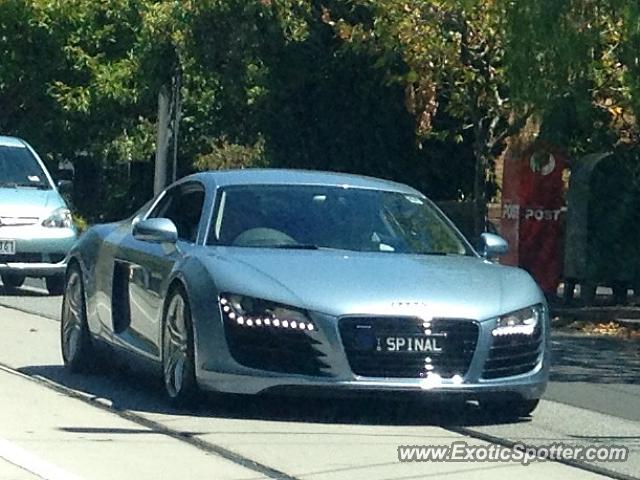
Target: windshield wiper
x=307 y=246
x=38 y=185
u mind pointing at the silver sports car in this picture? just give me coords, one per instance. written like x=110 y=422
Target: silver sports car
x=276 y=280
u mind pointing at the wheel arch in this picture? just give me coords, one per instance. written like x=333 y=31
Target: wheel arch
x=197 y=284
x=178 y=284
x=74 y=261
x=175 y=284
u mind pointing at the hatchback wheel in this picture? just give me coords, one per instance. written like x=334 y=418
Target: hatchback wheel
x=55 y=285
x=77 y=348
x=11 y=280
x=178 y=363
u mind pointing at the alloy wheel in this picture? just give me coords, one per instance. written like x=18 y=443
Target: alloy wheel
x=72 y=317
x=176 y=347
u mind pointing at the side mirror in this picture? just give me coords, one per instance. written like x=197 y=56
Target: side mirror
x=64 y=186
x=156 y=230
x=493 y=245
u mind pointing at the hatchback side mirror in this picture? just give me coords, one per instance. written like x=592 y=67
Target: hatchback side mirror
x=156 y=230
x=493 y=245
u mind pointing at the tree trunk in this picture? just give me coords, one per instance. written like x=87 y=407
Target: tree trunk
x=479 y=184
x=479 y=194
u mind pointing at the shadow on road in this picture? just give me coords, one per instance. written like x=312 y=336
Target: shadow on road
x=134 y=392
x=600 y=360
x=21 y=292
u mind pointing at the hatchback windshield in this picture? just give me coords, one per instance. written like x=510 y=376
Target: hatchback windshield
x=19 y=168
x=332 y=217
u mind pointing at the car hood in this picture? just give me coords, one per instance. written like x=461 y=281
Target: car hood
x=28 y=202
x=340 y=283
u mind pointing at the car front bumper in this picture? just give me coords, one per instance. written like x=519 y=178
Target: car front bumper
x=40 y=251
x=216 y=370
x=528 y=386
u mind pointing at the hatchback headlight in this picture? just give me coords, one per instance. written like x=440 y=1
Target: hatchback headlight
x=523 y=322
x=252 y=312
x=60 y=218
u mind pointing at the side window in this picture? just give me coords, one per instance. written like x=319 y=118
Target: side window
x=162 y=206
x=183 y=206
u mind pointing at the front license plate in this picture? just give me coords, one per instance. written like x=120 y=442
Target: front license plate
x=427 y=344
x=7 y=247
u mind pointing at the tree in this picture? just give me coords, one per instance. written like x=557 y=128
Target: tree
x=576 y=64
x=269 y=82
x=455 y=53
x=70 y=84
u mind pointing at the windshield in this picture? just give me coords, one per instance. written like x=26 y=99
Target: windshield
x=356 y=219
x=19 y=168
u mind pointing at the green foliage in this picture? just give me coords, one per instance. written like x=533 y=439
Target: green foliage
x=424 y=92
x=577 y=58
x=225 y=155
x=454 y=51
x=268 y=82
x=80 y=222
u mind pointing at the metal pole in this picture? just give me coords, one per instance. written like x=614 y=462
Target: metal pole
x=162 y=141
x=177 y=112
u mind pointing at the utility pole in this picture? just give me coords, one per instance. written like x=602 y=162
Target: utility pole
x=162 y=141
x=169 y=116
x=176 y=112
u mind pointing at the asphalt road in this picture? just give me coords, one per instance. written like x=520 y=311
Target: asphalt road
x=55 y=425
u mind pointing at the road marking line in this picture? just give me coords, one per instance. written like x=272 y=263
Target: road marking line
x=20 y=457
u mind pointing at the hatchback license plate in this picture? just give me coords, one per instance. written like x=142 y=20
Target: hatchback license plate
x=7 y=247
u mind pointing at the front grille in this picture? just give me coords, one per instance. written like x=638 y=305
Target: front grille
x=513 y=354
x=365 y=340
x=22 y=258
x=18 y=221
x=32 y=258
x=277 y=350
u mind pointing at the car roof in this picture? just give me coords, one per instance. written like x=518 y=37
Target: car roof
x=268 y=176
x=11 y=142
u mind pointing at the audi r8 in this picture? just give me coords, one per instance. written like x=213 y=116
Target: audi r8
x=259 y=281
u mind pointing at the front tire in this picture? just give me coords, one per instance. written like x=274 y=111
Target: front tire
x=178 y=359
x=78 y=352
x=55 y=285
x=11 y=280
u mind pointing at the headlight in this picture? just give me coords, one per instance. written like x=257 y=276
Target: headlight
x=61 y=218
x=253 y=312
x=521 y=322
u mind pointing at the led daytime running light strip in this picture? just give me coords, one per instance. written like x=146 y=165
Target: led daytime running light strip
x=514 y=330
x=262 y=321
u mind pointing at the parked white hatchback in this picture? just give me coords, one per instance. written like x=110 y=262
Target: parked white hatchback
x=36 y=228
